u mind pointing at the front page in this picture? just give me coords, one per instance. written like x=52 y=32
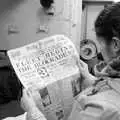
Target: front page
x=49 y=66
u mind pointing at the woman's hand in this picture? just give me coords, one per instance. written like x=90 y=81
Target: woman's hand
x=29 y=105
x=83 y=67
x=88 y=79
x=27 y=101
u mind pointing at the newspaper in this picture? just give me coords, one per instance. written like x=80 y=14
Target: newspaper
x=49 y=66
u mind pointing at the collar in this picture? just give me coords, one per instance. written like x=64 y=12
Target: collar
x=109 y=74
x=104 y=69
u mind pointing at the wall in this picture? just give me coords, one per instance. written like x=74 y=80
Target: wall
x=27 y=16
x=89 y=16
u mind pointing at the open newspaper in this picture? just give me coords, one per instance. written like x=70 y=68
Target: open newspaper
x=49 y=66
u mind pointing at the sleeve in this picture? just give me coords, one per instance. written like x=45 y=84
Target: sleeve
x=93 y=112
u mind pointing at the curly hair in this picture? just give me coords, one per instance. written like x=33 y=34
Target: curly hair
x=107 y=24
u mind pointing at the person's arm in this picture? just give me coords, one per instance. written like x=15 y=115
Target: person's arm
x=94 y=111
x=29 y=105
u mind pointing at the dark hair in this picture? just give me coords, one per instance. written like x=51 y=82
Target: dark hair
x=107 y=23
x=10 y=87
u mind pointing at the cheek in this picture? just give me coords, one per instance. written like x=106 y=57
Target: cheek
x=105 y=52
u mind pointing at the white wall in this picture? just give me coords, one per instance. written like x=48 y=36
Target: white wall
x=27 y=16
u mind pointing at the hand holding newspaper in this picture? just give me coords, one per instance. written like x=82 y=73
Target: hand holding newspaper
x=49 y=66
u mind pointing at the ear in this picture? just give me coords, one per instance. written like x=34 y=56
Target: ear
x=116 y=44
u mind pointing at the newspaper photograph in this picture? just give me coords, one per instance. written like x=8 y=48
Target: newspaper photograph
x=49 y=66
x=45 y=97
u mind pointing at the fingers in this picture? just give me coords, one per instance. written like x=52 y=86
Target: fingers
x=81 y=64
x=27 y=100
x=78 y=61
x=26 y=93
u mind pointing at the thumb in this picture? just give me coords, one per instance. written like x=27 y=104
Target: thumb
x=26 y=93
x=77 y=61
x=80 y=63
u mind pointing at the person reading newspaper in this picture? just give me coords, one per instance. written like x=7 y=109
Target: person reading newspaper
x=102 y=100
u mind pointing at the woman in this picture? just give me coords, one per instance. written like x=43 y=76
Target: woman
x=102 y=101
